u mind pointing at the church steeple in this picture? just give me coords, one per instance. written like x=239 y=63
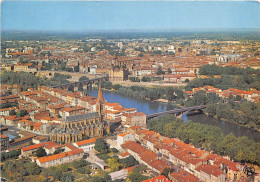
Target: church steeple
x=100 y=94
x=100 y=104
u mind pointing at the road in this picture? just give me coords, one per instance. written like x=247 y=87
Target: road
x=15 y=129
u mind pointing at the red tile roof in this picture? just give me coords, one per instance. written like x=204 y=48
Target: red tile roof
x=123 y=134
x=34 y=146
x=183 y=176
x=133 y=146
x=124 y=154
x=157 y=179
x=148 y=156
x=210 y=169
x=84 y=142
x=4 y=136
x=59 y=156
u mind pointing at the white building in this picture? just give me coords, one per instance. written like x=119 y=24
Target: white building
x=171 y=48
x=120 y=45
x=93 y=49
x=93 y=69
x=86 y=145
x=122 y=138
x=122 y=174
x=61 y=158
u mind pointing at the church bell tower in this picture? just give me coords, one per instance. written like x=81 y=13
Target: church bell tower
x=100 y=104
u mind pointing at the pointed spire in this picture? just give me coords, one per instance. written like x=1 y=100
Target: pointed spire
x=100 y=94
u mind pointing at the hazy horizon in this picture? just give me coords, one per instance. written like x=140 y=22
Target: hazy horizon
x=82 y=16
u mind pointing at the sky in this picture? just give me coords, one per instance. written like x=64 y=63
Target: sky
x=133 y=15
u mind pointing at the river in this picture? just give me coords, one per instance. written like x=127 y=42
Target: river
x=149 y=107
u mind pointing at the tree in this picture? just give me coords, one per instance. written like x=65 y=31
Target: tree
x=160 y=71
x=113 y=164
x=169 y=70
x=135 y=175
x=12 y=112
x=80 y=163
x=211 y=109
x=67 y=177
x=32 y=168
x=101 y=146
x=84 y=171
x=40 y=152
x=65 y=168
x=116 y=86
x=129 y=161
x=83 y=78
x=166 y=171
x=21 y=113
x=146 y=79
x=114 y=150
x=76 y=68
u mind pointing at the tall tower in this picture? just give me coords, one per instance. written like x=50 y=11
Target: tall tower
x=100 y=104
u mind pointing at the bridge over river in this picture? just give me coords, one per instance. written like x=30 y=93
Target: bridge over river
x=176 y=111
x=86 y=84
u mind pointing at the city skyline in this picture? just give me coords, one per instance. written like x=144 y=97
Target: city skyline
x=107 y=16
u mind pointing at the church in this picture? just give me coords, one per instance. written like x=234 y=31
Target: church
x=91 y=125
x=118 y=71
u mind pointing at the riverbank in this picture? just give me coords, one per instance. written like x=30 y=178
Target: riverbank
x=148 y=84
x=233 y=122
x=149 y=107
x=178 y=96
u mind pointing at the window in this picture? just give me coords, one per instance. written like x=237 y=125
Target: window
x=235 y=176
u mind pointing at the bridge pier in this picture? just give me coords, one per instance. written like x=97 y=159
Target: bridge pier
x=76 y=88
x=89 y=86
x=85 y=87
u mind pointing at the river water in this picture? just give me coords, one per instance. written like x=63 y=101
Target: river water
x=149 y=107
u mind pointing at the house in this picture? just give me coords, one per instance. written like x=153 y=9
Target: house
x=86 y=145
x=183 y=176
x=122 y=174
x=122 y=138
x=209 y=173
x=124 y=155
x=27 y=140
x=39 y=139
x=4 y=142
x=160 y=178
x=233 y=170
x=134 y=119
x=6 y=111
x=28 y=151
x=60 y=158
x=134 y=149
x=151 y=141
x=101 y=164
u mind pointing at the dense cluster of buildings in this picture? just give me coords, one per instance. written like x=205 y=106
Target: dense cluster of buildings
x=188 y=162
x=57 y=120
x=65 y=116
x=252 y=95
x=133 y=58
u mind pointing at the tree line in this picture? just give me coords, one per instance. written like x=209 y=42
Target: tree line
x=145 y=79
x=224 y=82
x=28 y=80
x=229 y=77
x=230 y=70
x=208 y=137
x=139 y=92
x=234 y=109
